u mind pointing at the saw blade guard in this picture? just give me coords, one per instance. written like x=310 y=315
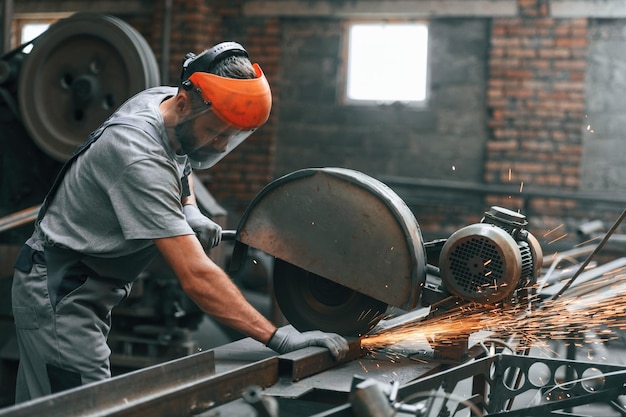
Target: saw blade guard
x=343 y=226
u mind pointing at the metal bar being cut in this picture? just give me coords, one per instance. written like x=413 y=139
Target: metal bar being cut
x=312 y=360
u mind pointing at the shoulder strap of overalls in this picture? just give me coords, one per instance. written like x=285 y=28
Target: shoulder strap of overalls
x=150 y=129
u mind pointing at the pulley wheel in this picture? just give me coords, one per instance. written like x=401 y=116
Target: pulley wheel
x=78 y=72
x=311 y=302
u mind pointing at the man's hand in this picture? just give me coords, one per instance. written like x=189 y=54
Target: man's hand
x=209 y=233
x=284 y=341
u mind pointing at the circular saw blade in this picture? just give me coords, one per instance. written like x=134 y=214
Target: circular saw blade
x=311 y=302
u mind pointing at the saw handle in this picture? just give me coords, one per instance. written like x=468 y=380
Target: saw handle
x=228 y=235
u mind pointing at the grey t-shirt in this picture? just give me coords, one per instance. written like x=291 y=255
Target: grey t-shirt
x=124 y=191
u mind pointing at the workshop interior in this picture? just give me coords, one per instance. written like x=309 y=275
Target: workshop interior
x=441 y=182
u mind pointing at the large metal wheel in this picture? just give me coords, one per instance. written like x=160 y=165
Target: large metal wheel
x=78 y=72
x=311 y=302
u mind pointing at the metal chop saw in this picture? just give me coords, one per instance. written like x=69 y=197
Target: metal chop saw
x=347 y=247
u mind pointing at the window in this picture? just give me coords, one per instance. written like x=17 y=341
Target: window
x=387 y=63
x=30 y=31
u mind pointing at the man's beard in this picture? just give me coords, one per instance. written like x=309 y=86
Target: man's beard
x=185 y=137
x=189 y=145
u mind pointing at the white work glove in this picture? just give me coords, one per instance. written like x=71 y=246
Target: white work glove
x=208 y=232
x=284 y=341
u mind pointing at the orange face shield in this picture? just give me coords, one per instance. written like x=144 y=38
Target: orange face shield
x=244 y=104
x=241 y=105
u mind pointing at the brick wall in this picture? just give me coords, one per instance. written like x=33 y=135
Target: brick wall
x=236 y=179
x=536 y=99
x=194 y=27
x=536 y=103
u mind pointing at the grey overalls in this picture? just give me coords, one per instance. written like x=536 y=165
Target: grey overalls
x=62 y=307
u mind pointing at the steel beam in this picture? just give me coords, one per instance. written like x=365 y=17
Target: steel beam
x=182 y=387
x=186 y=386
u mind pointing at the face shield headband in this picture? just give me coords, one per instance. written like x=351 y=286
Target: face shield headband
x=238 y=107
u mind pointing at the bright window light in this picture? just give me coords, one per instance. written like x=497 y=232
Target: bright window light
x=30 y=31
x=387 y=62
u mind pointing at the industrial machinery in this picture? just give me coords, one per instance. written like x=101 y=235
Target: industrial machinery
x=56 y=89
x=347 y=248
x=73 y=77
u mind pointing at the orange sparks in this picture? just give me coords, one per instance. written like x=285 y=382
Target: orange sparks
x=557 y=239
x=553 y=230
x=586 y=242
x=589 y=313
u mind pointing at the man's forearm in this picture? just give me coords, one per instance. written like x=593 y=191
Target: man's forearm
x=212 y=289
x=225 y=302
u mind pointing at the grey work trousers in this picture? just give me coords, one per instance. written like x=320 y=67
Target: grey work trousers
x=62 y=345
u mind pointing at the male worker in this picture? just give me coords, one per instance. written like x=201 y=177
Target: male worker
x=124 y=197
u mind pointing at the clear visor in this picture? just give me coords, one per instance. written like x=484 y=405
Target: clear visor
x=214 y=139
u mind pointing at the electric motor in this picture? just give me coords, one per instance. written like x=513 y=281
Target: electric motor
x=488 y=261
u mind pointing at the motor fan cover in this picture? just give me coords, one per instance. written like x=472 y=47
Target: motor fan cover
x=481 y=263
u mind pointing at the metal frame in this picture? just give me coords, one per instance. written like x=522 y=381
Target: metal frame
x=506 y=378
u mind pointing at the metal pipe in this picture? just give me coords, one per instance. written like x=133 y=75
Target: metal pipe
x=528 y=193
x=7 y=18
x=592 y=254
x=19 y=218
x=165 y=41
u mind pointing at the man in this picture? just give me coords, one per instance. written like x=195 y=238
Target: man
x=123 y=198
